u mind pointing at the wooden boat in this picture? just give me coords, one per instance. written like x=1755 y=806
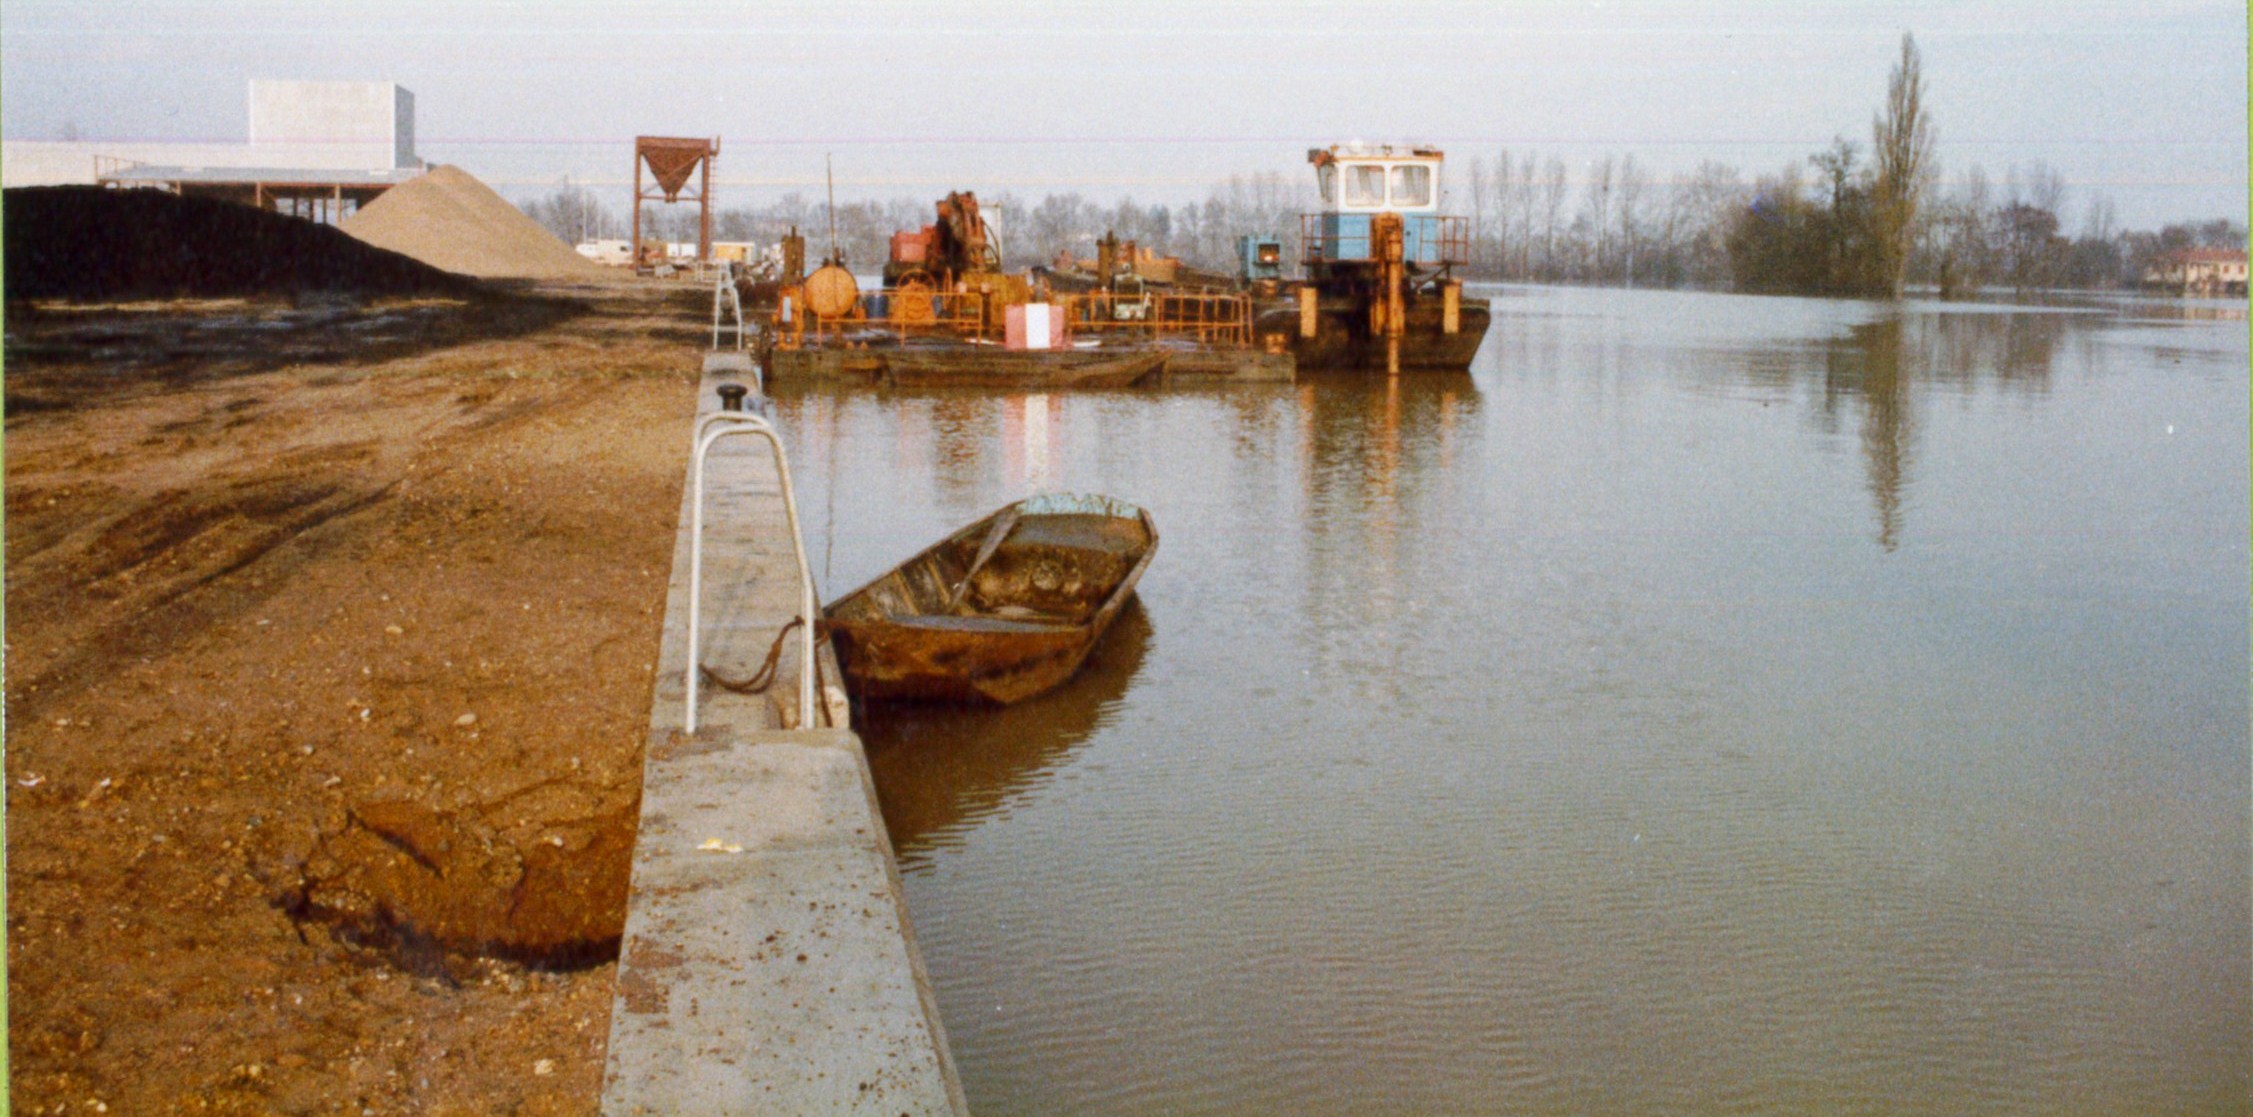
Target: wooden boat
x=983 y=366
x=999 y=611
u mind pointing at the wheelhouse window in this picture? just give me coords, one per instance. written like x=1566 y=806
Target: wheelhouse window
x=1328 y=174
x=1365 y=185
x=1411 y=185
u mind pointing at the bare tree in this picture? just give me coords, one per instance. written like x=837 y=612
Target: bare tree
x=1596 y=217
x=1057 y=225
x=2028 y=224
x=1552 y=212
x=1901 y=145
x=1523 y=199
x=2103 y=222
x=1634 y=186
x=1837 y=165
x=2038 y=185
x=575 y=215
x=1963 y=253
x=2221 y=232
x=1708 y=205
x=1478 y=211
x=1507 y=231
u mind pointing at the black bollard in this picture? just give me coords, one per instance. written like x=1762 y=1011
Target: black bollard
x=731 y=397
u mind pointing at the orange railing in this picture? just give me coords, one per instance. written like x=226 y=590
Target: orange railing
x=916 y=309
x=912 y=309
x=1212 y=318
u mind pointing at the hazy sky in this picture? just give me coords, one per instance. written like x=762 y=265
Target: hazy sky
x=2141 y=102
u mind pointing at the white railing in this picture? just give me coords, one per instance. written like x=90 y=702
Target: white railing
x=725 y=296
x=710 y=429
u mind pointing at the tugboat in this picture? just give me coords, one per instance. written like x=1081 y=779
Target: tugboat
x=1379 y=291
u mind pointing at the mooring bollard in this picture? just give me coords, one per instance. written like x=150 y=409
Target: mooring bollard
x=731 y=396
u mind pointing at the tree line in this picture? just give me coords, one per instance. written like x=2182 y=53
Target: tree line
x=1030 y=232
x=1850 y=220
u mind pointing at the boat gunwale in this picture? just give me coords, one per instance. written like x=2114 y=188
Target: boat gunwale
x=1111 y=603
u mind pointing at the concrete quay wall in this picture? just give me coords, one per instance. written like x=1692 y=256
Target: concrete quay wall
x=768 y=965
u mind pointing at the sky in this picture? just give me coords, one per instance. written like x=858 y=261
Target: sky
x=2141 y=103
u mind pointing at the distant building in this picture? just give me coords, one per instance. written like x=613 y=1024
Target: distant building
x=616 y=253
x=2199 y=271
x=318 y=149
x=620 y=253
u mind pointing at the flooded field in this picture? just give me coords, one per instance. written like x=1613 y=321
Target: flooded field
x=1708 y=704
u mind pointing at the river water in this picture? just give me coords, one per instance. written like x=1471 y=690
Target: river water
x=1707 y=704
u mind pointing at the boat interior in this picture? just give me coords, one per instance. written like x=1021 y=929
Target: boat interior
x=1054 y=568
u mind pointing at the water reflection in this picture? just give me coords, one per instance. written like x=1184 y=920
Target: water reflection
x=1376 y=472
x=1868 y=369
x=962 y=428
x=1029 y=425
x=944 y=768
x=1881 y=366
x=1712 y=704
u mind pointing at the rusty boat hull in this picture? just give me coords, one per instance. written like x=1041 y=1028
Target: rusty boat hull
x=1000 y=611
x=1343 y=339
x=1020 y=368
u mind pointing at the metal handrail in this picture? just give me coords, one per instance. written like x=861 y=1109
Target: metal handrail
x=724 y=292
x=1210 y=317
x=710 y=429
x=962 y=312
x=1449 y=241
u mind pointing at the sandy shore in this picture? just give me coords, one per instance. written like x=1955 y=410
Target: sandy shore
x=329 y=641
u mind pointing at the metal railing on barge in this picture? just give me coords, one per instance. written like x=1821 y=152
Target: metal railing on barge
x=903 y=311
x=1211 y=318
x=1429 y=239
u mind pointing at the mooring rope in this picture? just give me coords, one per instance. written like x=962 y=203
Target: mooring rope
x=764 y=677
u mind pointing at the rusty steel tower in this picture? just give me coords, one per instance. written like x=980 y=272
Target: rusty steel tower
x=671 y=160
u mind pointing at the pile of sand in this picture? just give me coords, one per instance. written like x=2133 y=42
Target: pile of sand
x=449 y=220
x=85 y=242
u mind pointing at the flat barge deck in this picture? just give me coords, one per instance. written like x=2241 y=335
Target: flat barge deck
x=992 y=366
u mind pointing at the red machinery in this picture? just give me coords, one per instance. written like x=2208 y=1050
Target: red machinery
x=937 y=255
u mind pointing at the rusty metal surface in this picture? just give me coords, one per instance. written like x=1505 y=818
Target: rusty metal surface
x=831 y=292
x=1186 y=366
x=1001 y=610
x=986 y=367
x=1342 y=339
x=1210 y=317
x=671 y=160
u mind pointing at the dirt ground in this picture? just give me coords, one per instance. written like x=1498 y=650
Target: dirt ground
x=330 y=633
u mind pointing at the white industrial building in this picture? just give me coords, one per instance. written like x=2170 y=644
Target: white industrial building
x=317 y=148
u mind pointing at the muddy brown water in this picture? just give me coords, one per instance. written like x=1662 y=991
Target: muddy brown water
x=1707 y=704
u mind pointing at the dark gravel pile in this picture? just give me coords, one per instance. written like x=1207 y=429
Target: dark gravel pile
x=87 y=242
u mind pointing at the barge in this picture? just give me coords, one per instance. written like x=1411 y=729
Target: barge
x=1379 y=290
x=945 y=314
